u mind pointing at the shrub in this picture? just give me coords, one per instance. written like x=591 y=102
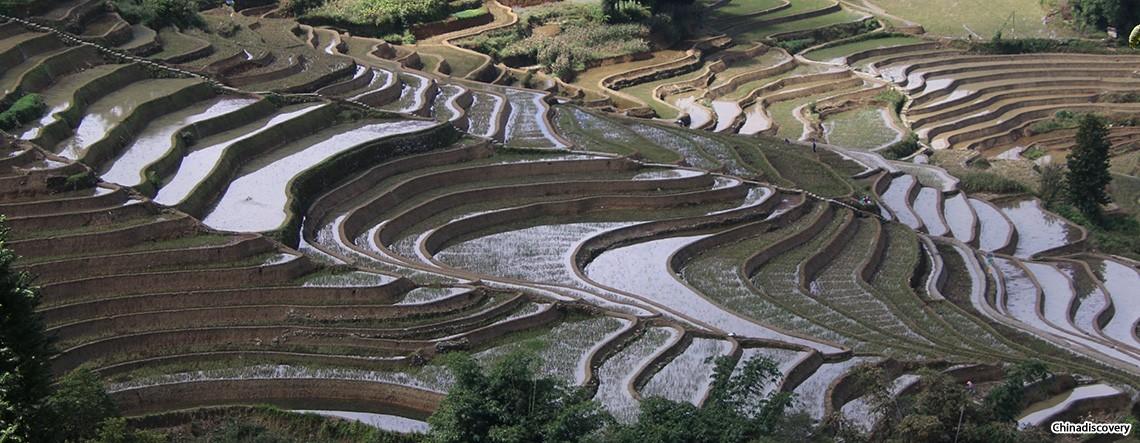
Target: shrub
x=378 y=16
x=160 y=13
x=1033 y=153
x=25 y=110
x=902 y=148
x=893 y=98
x=471 y=13
x=794 y=46
x=974 y=182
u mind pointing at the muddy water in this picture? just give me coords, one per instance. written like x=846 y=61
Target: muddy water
x=156 y=139
x=1037 y=230
x=959 y=217
x=255 y=201
x=59 y=96
x=896 y=198
x=863 y=128
x=1121 y=282
x=699 y=115
x=643 y=269
x=617 y=372
x=206 y=153
x=993 y=228
x=726 y=113
x=386 y=422
x=689 y=375
x=1038 y=413
x=755 y=120
x=926 y=205
x=112 y=109
x=484 y=111
x=380 y=79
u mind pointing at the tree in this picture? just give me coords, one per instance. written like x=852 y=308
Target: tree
x=1004 y=402
x=24 y=350
x=1052 y=185
x=78 y=408
x=738 y=409
x=509 y=403
x=1134 y=38
x=1088 y=167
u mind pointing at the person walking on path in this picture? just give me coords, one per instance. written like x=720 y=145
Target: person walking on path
x=813 y=146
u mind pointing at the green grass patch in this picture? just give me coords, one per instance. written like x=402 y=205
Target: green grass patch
x=988 y=182
x=471 y=13
x=268 y=424
x=27 y=109
x=903 y=148
x=1117 y=234
x=860 y=45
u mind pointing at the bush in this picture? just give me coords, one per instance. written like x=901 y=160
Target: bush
x=27 y=109
x=160 y=13
x=902 y=148
x=974 y=182
x=471 y=13
x=794 y=46
x=892 y=97
x=377 y=16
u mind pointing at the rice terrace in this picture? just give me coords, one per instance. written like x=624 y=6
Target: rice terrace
x=575 y=220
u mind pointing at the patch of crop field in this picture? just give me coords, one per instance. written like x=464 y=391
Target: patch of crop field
x=644 y=93
x=716 y=274
x=753 y=33
x=979 y=18
x=562 y=350
x=747 y=88
x=805 y=172
x=736 y=9
x=838 y=52
x=591 y=132
x=461 y=62
x=616 y=372
x=862 y=128
x=688 y=376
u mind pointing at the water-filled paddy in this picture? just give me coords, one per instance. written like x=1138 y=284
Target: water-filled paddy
x=255 y=201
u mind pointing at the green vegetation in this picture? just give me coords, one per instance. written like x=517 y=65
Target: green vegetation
x=583 y=35
x=1061 y=120
x=1134 y=38
x=978 y=18
x=471 y=13
x=31 y=410
x=859 y=44
x=161 y=13
x=818 y=36
x=509 y=403
x=1101 y=14
x=391 y=19
x=1001 y=45
x=988 y=182
x=943 y=410
x=893 y=98
x=25 y=110
x=269 y=424
x=1033 y=153
x=903 y=148
x=1088 y=175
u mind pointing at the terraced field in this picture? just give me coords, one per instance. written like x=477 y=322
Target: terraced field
x=304 y=218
